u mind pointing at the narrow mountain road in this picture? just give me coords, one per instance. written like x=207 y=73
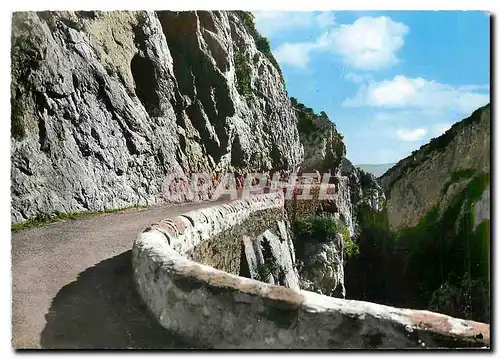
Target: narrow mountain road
x=72 y=284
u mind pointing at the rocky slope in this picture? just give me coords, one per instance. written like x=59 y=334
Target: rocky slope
x=323 y=143
x=322 y=256
x=438 y=170
x=363 y=186
x=105 y=105
x=435 y=228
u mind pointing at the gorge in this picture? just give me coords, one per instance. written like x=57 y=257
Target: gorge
x=106 y=105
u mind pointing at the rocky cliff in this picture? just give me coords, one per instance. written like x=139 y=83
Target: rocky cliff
x=435 y=228
x=105 y=105
x=324 y=148
x=364 y=187
x=438 y=170
x=327 y=230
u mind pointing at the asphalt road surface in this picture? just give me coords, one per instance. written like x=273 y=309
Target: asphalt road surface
x=72 y=285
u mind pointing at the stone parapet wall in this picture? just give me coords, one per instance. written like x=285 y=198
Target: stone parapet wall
x=223 y=310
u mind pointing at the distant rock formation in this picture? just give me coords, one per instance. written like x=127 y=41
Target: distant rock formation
x=438 y=170
x=435 y=228
x=376 y=169
x=364 y=187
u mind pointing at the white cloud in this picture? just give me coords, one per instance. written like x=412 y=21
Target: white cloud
x=357 y=78
x=412 y=135
x=418 y=93
x=325 y=19
x=297 y=55
x=270 y=23
x=370 y=43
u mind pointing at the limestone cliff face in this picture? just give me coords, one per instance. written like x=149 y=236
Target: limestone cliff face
x=438 y=171
x=482 y=208
x=323 y=144
x=323 y=268
x=363 y=186
x=322 y=262
x=105 y=105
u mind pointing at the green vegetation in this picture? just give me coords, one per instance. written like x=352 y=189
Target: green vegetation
x=261 y=42
x=439 y=143
x=465 y=299
x=17 y=129
x=322 y=229
x=316 y=228
x=154 y=111
x=43 y=219
x=365 y=179
x=25 y=55
x=243 y=75
x=266 y=269
x=477 y=186
x=308 y=120
x=440 y=263
x=351 y=249
x=457 y=177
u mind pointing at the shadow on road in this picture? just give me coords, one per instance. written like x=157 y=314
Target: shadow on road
x=103 y=310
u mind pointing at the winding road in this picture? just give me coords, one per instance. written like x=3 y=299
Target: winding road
x=73 y=288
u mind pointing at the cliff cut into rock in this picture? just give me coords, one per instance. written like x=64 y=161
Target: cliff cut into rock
x=438 y=171
x=105 y=105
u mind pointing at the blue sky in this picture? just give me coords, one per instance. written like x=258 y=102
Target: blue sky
x=389 y=80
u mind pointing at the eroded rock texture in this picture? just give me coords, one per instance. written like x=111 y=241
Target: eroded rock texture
x=324 y=148
x=435 y=173
x=363 y=186
x=105 y=105
x=323 y=270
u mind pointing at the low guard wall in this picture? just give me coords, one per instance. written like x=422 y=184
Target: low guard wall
x=221 y=310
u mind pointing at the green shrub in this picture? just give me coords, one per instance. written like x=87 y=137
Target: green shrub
x=154 y=111
x=266 y=269
x=437 y=261
x=365 y=179
x=25 y=57
x=316 y=228
x=477 y=185
x=439 y=143
x=322 y=229
x=255 y=58
x=468 y=299
x=351 y=249
x=306 y=117
x=308 y=121
x=263 y=45
x=436 y=144
x=243 y=75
